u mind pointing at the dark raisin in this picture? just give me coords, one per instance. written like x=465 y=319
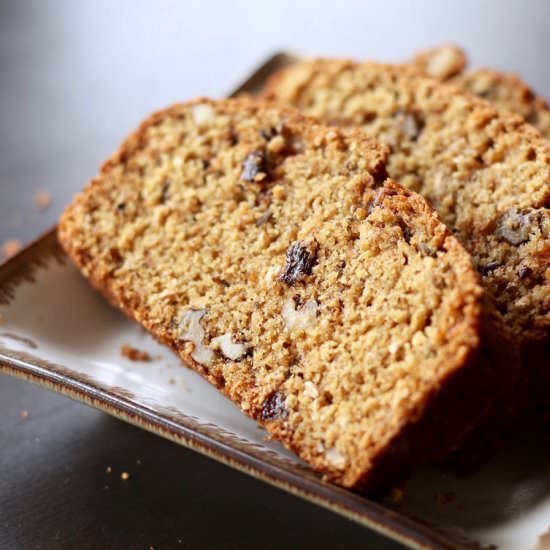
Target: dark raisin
x=165 y=190
x=300 y=259
x=219 y=281
x=115 y=256
x=489 y=267
x=254 y=164
x=121 y=206
x=531 y=154
x=264 y=218
x=379 y=173
x=268 y=134
x=405 y=229
x=273 y=408
x=524 y=272
x=233 y=138
x=514 y=227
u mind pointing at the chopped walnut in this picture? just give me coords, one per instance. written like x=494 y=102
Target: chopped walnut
x=230 y=349
x=299 y=316
x=203 y=114
x=336 y=458
x=514 y=227
x=192 y=331
x=310 y=390
x=445 y=62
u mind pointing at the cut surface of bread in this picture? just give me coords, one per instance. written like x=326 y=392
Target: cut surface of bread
x=487 y=174
x=274 y=257
x=508 y=92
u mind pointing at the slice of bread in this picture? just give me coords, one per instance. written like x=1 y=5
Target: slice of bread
x=487 y=174
x=268 y=251
x=508 y=92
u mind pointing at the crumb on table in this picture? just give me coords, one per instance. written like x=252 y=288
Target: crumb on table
x=24 y=414
x=42 y=199
x=134 y=354
x=10 y=247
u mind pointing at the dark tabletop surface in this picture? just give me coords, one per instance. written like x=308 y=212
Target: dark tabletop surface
x=75 y=77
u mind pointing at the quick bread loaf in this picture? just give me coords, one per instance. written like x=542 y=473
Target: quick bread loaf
x=276 y=258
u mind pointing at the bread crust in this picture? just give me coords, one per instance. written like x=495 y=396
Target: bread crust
x=507 y=91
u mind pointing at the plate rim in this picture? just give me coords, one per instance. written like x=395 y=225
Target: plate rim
x=348 y=504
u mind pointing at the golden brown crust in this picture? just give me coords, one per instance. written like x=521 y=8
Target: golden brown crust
x=341 y=350
x=508 y=92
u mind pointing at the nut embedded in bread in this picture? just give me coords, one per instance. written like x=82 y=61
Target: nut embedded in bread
x=268 y=251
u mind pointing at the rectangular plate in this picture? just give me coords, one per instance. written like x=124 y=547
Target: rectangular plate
x=56 y=332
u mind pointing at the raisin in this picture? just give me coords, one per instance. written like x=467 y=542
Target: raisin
x=254 y=164
x=524 y=272
x=300 y=259
x=489 y=267
x=273 y=408
x=514 y=227
x=165 y=190
x=405 y=229
x=379 y=174
x=268 y=134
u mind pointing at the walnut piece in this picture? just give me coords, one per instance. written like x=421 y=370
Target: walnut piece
x=230 y=349
x=336 y=458
x=193 y=332
x=299 y=317
x=514 y=227
x=203 y=114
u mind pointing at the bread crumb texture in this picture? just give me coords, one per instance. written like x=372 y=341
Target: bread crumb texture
x=487 y=174
x=270 y=253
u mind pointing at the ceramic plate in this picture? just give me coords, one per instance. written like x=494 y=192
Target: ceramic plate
x=55 y=331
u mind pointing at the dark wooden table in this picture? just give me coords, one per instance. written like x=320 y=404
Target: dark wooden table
x=65 y=101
